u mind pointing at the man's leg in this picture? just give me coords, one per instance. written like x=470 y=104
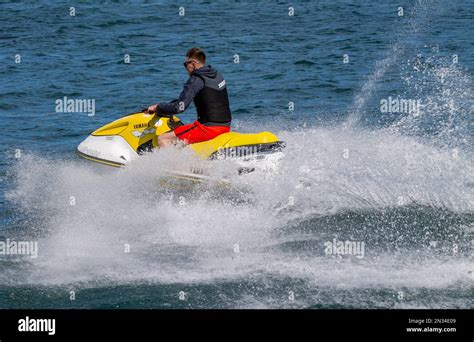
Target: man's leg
x=167 y=139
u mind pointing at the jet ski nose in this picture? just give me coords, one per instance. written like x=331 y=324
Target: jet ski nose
x=110 y=150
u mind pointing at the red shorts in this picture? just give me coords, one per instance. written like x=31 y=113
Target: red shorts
x=197 y=132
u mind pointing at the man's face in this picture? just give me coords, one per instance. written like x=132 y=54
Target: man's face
x=190 y=65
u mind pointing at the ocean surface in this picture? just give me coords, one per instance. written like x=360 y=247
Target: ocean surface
x=399 y=182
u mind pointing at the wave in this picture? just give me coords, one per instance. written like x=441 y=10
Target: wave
x=86 y=217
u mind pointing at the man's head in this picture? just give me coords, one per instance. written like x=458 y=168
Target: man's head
x=195 y=59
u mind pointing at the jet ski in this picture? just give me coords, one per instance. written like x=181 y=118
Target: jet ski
x=124 y=140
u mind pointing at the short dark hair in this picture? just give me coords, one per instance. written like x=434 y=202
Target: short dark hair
x=197 y=54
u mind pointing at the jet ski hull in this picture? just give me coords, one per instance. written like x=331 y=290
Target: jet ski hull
x=122 y=141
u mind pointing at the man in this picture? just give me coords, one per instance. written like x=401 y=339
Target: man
x=207 y=88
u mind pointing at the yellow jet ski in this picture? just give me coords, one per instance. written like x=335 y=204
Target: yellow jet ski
x=122 y=141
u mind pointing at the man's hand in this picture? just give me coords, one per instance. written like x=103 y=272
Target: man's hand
x=152 y=109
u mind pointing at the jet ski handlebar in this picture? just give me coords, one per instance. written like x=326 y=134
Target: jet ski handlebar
x=145 y=110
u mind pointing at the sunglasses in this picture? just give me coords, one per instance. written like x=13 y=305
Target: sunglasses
x=187 y=62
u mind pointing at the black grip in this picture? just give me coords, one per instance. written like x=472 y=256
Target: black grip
x=160 y=115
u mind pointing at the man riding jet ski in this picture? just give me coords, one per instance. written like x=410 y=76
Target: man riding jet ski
x=123 y=140
x=208 y=89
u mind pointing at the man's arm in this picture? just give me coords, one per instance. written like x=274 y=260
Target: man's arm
x=190 y=89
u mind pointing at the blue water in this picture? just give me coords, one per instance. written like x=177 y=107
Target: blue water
x=400 y=182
